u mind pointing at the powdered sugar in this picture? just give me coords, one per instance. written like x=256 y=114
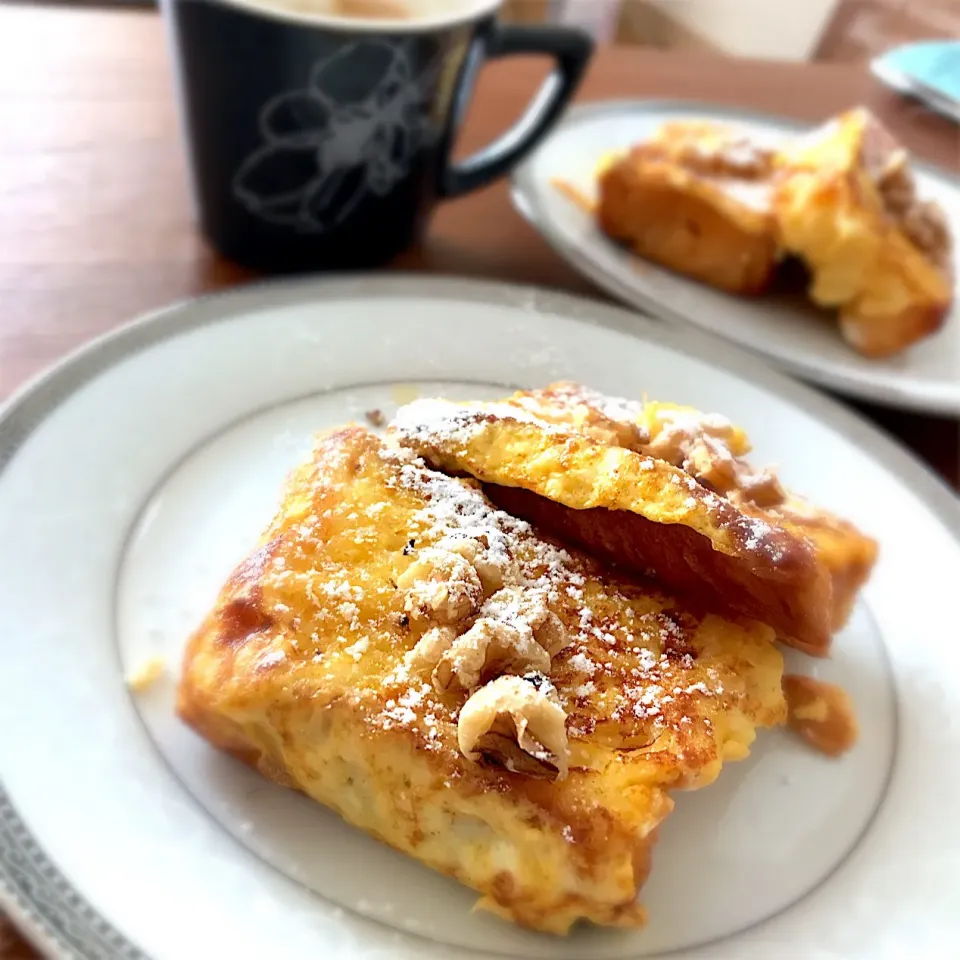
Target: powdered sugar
x=429 y=422
x=350 y=613
x=358 y=649
x=426 y=420
x=760 y=537
x=580 y=661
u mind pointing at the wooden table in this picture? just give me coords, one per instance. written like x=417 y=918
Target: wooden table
x=95 y=219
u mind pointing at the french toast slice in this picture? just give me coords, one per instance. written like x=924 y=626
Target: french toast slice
x=619 y=497
x=499 y=708
x=676 y=432
x=847 y=205
x=697 y=198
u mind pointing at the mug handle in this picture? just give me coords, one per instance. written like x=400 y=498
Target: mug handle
x=571 y=48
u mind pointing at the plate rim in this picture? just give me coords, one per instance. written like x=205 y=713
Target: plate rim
x=42 y=902
x=920 y=397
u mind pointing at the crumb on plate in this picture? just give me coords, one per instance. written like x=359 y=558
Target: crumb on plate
x=147 y=674
x=821 y=713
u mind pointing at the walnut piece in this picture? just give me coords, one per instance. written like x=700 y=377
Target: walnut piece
x=526 y=608
x=922 y=221
x=821 y=713
x=700 y=444
x=896 y=184
x=681 y=430
x=733 y=156
x=430 y=648
x=762 y=488
x=440 y=586
x=925 y=226
x=492 y=571
x=488 y=649
x=516 y=723
x=711 y=462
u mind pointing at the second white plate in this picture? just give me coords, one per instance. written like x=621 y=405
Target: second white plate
x=788 y=330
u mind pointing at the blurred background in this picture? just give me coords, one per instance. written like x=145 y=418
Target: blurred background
x=821 y=30
x=838 y=30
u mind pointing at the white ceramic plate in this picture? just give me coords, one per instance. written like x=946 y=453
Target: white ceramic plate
x=135 y=475
x=786 y=329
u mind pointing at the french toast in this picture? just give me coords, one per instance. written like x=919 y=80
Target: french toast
x=710 y=201
x=501 y=709
x=685 y=519
x=847 y=205
x=603 y=482
x=697 y=198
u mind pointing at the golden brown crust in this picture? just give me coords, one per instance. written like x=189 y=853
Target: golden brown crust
x=299 y=670
x=675 y=201
x=882 y=334
x=847 y=553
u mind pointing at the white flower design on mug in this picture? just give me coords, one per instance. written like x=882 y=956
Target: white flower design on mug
x=330 y=145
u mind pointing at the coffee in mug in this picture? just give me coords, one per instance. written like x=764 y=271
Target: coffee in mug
x=370 y=9
x=319 y=131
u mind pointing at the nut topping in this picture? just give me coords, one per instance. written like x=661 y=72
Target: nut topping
x=716 y=151
x=702 y=445
x=440 y=586
x=488 y=649
x=528 y=610
x=896 y=184
x=491 y=571
x=926 y=227
x=922 y=221
x=430 y=648
x=516 y=723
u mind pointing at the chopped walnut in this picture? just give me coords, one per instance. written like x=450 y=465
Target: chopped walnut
x=736 y=156
x=680 y=430
x=922 y=221
x=430 y=648
x=762 y=488
x=925 y=225
x=528 y=608
x=492 y=570
x=821 y=713
x=550 y=633
x=487 y=650
x=700 y=444
x=896 y=184
x=711 y=462
x=516 y=723
x=376 y=418
x=441 y=586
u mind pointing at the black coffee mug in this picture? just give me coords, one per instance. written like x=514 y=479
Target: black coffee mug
x=321 y=142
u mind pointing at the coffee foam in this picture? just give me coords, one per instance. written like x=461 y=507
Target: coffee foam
x=367 y=10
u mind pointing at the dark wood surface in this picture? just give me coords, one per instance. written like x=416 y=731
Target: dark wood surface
x=95 y=217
